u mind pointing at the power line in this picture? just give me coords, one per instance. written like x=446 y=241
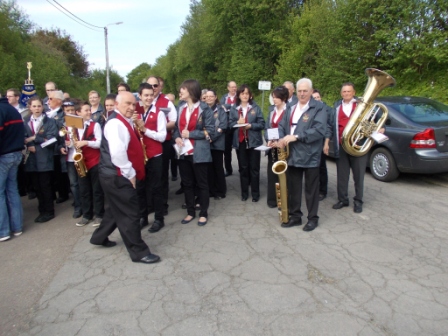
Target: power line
x=76 y=16
x=71 y=17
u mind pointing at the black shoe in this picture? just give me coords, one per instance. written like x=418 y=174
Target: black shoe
x=174 y=178
x=217 y=198
x=149 y=259
x=322 y=197
x=227 y=174
x=272 y=206
x=77 y=214
x=310 y=226
x=61 y=200
x=179 y=192
x=254 y=199
x=31 y=195
x=109 y=243
x=185 y=221
x=292 y=222
x=357 y=208
x=45 y=218
x=37 y=219
x=202 y=223
x=143 y=222
x=184 y=206
x=156 y=226
x=340 y=205
x=244 y=198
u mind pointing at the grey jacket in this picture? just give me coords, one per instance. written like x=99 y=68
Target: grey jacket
x=221 y=120
x=311 y=127
x=42 y=160
x=201 y=145
x=294 y=101
x=255 y=118
x=269 y=119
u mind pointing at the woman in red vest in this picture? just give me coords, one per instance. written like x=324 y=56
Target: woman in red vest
x=194 y=127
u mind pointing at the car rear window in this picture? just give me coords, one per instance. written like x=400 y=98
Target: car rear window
x=425 y=113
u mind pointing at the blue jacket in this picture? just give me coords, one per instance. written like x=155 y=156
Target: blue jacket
x=255 y=118
x=12 y=131
x=221 y=120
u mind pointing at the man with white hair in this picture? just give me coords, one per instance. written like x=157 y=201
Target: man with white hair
x=292 y=99
x=303 y=129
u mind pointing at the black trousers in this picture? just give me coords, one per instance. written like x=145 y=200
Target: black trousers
x=173 y=166
x=216 y=177
x=249 y=168
x=167 y=155
x=272 y=179
x=92 y=196
x=44 y=192
x=61 y=182
x=122 y=212
x=152 y=197
x=294 y=176
x=323 y=175
x=344 y=163
x=228 y=150
x=194 y=175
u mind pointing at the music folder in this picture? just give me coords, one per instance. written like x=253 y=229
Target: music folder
x=74 y=121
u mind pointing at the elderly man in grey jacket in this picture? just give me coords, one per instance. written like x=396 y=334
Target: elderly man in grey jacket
x=303 y=129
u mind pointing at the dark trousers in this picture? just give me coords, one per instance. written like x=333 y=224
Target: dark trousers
x=216 y=177
x=74 y=185
x=24 y=180
x=122 y=211
x=194 y=175
x=272 y=179
x=173 y=166
x=152 y=197
x=228 y=150
x=323 y=175
x=167 y=155
x=294 y=177
x=44 y=192
x=61 y=183
x=249 y=168
x=92 y=196
x=344 y=163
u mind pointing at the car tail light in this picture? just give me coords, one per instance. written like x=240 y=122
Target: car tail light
x=425 y=139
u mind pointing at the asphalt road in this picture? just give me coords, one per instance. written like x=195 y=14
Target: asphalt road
x=382 y=272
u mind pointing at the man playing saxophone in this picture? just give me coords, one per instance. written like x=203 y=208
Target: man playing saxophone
x=303 y=129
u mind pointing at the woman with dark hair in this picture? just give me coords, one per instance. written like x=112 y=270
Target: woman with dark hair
x=277 y=110
x=247 y=116
x=216 y=178
x=192 y=133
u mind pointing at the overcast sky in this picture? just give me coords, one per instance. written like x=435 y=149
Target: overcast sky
x=149 y=27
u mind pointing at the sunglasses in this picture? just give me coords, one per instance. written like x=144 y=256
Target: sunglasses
x=154 y=85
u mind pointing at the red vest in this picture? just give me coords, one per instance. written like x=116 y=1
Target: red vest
x=162 y=101
x=191 y=124
x=91 y=155
x=230 y=100
x=343 y=120
x=134 y=151
x=153 y=147
x=274 y=124
x=139 y=108
x=241 y=130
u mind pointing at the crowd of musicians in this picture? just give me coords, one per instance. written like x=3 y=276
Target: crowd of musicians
x=128 y=148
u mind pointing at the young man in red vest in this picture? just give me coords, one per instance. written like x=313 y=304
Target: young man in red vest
x=161 y=101
x=152 y=126
x=89 y=141
x=122 y=168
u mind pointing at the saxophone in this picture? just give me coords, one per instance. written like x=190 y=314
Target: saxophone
x=140 y=133
x=281 y=190
x=78 y=158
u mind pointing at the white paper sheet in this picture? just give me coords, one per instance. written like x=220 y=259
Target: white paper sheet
x=184 y=149
x=240 y=125
x=48 y=142
x=379 y=137
x=262 y=148
x=273 y=134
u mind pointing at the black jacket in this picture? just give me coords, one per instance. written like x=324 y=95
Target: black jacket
x=12 y=131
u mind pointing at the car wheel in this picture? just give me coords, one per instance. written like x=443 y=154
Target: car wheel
x=382 y=165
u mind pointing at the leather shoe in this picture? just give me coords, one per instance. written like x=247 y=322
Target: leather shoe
x=202 y=223
x=37 y=219
x=322 y=197
x=340 y=205
x=217 y=198
x=292 y=222
x=44 y=218
x=77 y=214
x=244 y=199
x=272 y=206
x=156 y=226
x=186 y=221
x=179 y=191
x=228 y=174
x=310 y=226
x=149 y=259
x=357 y=208
x=143 y=222
x=61 y=200
x=254 y=200
x=109 y=243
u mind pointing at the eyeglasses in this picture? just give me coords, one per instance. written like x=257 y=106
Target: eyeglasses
x=10 y=96
x=154 y=85
x=50 y=90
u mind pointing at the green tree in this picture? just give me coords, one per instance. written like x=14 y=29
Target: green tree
x=138 y=75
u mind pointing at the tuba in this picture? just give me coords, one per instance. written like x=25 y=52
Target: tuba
x=78 y=158
x=281 y=190
x=356 y=139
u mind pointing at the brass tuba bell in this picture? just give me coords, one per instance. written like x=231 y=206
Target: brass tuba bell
x=356 y=139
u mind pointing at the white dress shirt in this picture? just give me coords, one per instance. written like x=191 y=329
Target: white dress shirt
x=298 y=111
x=118 y=137
x=96 y=131
x=277 y=114
x=244 y=110
x=52 y=113
x=160 y=134
x=35 y=123
x=348 y=107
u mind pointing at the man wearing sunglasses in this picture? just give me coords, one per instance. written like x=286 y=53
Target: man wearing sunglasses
x=49 y=88
x=161 y=101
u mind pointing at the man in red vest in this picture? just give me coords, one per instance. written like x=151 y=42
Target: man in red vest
x=345 y=162
x=152 y=126
x=121 y=169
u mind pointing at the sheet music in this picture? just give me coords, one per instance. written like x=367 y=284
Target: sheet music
x=48 y=142
x=379 y=137
x=184 y=149
x=273 y=134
